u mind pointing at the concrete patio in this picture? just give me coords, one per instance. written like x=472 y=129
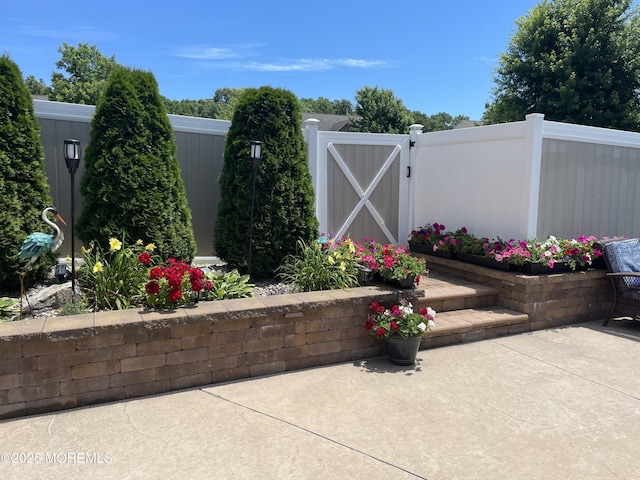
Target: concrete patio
x=554 y=404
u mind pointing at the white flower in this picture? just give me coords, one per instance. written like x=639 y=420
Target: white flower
x=422 y=326
x=406 y=309
x=431 y=323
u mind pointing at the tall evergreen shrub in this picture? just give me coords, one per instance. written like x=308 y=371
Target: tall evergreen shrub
x=132 y=186
x=284 y=198
x=24 y=191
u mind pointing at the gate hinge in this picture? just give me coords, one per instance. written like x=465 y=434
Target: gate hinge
x=409 y=171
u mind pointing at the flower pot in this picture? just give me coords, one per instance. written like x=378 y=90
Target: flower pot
x=428 y=250
x=487 y=262
x=403 y=284
x=402 y=351
x=535 y=268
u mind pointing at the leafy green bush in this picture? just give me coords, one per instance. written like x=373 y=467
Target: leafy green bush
x=114 y=279
x=284 y=197
x=132 y=183
x=24 y=191
x=6 y=308
x=316 y=266
x=76 y=306
x=227 y=285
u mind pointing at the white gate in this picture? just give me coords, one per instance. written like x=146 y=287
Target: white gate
x=362 y=184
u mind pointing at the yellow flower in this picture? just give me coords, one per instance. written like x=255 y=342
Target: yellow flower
x=343 y=267
x=330 y=260
x=86 y=251
x=139 y=242
x=97 y=267
x=114 y=244
x=67 y=259
x=151 y=247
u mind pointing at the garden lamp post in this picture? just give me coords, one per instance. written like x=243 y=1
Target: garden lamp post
x=256 y=156
x=72 y=159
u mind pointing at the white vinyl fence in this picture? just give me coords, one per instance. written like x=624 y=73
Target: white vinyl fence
x=518 y=180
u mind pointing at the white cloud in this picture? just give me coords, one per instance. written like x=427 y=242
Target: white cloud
x=203 y=52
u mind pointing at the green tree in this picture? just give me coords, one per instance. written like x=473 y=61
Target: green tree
x=37 y=87
x=87 y=73
x=438 y=122
x=284 y=199
x=324 y=105
x=132 y=186
x=574 y=61
x=24 y=191
x=379 y=111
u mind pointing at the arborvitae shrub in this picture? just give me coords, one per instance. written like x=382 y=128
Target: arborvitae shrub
x=132 y=186
x=24 y=191
x=284 y=199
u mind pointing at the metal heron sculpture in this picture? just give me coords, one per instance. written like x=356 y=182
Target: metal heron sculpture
x=38 y=243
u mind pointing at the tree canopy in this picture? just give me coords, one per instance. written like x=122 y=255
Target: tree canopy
x=132 y=186
x=24 y=191
x=574 y=61
x=378 y=110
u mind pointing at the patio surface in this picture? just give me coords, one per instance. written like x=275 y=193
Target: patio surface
x=554 y=404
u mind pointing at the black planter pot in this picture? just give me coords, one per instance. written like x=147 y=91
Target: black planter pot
x=428 y=250
x=534 y=268
x=487 y=262
x=403 y=284
x=403 y=351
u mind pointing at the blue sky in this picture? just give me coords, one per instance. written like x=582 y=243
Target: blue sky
x=435 y=56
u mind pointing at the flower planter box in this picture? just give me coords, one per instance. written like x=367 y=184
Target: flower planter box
x=403 y=284
x=487 y=262
x=428 y=250
x=534 y=268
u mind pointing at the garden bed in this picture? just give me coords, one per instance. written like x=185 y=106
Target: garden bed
x=550 y=300
x=56 y=363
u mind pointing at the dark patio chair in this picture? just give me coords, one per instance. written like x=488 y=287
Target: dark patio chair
x=623 y=261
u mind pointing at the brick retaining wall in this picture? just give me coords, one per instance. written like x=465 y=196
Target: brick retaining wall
x=65 y=362
x=549 y=300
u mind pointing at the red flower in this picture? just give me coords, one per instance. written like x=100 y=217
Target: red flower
x=208 y=285
x=156 y=273
x=144 y=258
x=174 y=280
x=381 y=332
x=369 y=324
x=152 y=288
x=394 y=326
x=175 y=295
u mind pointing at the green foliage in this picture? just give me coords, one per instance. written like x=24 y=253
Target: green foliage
x=284 y=197
x=37 y=87
x=438 y=122
x=221 y=106
x=324 y=105
x=115 y=278
x=379 y=111
x=7 y=311
x=76 y=306
x=574 y=61
x=87 y=73
x=24 y=191
x=319 y=267
x=227 y=285
x=132 y=184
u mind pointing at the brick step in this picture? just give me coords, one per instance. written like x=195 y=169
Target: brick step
x=473 y=324
x=466 y=311
x=446 y=294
